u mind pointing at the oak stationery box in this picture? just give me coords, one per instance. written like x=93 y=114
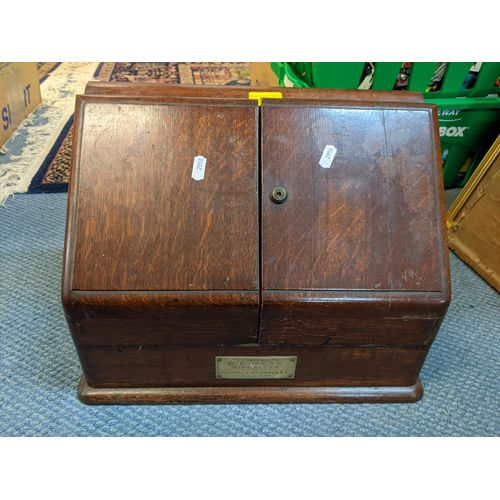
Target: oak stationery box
x=229 y=245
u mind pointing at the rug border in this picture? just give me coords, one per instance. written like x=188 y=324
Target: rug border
x=36 y=185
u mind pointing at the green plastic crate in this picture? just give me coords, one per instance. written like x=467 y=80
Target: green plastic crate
x=469 y=119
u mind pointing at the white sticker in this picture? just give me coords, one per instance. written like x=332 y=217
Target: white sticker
x=328 y=156
x=199 y=165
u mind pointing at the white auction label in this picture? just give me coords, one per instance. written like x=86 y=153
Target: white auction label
x=199 y=164
x=328 y=156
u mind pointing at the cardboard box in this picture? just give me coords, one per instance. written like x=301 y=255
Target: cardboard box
x=262 y=75
x=19 y=96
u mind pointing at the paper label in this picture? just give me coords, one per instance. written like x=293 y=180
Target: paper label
x=199 y=165
x=328 y=156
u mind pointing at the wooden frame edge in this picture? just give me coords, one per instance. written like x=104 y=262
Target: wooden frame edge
x=471 y=186
x=247 y=395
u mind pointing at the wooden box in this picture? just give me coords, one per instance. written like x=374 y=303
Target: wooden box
x=224 y=246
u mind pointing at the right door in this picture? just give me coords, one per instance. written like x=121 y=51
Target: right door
x=362 y=222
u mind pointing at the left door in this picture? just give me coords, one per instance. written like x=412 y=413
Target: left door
x=162 y=238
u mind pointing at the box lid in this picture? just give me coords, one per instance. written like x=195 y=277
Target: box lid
x=167 y=194
x=363 y=209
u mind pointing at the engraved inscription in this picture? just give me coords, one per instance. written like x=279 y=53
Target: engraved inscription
x=262 y=367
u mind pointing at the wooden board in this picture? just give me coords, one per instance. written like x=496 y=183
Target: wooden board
x=138 y=222
x=248 y=395
x=357 y=252
x=241 y=92
x=163 y=366
x=370 y=221
x=154 y=227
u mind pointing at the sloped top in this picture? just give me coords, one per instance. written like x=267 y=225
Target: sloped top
x=372 y=219
x=143 y=221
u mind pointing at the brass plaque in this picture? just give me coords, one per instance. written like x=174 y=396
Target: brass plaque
x=261 y=367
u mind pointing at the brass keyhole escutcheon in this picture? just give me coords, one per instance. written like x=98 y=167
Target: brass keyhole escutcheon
x=279 y=194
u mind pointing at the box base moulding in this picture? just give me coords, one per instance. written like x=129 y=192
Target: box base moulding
x=247 y=395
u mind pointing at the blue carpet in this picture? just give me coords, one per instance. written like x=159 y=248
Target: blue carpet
x=39 y=368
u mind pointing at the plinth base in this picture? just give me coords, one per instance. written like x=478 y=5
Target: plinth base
x=247 y=395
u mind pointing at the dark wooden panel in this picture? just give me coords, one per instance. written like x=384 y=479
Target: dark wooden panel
x=248 y=395
x=168 y=318
x=375 y=318
x=319 y=325
x=158 y=89
x=159 y=366
x=142 y=222
x=370 y=222
x=283 y=329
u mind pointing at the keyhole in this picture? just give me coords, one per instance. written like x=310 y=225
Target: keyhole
x=278 y=194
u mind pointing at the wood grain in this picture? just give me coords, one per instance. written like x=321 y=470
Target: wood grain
x=241 y=92
x=162 y=318
x=248 y=395
x=474 y=219
x=138 y=222
x=371 y=221
x=152 y=226
x=165 y=366
x=377 y=319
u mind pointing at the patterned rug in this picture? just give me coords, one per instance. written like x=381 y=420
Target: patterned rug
x=53 y=174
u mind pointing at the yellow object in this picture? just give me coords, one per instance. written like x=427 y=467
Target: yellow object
x=264 y=95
